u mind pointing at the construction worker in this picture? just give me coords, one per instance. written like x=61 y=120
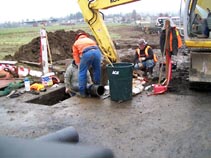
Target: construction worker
x=209 y=12
x=86 y=54
x=205 y=27
x=71 y=79
x=170 y=41
x=145 y=59
x=174 y=40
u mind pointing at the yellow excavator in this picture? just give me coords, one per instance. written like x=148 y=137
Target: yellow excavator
x=195 y=39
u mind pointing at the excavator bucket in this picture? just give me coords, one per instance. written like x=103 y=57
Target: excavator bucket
x=200 y=67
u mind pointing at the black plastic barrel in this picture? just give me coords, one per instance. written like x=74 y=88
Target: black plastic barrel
x=120 y=76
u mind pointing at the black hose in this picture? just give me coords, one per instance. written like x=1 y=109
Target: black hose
x=69 y=135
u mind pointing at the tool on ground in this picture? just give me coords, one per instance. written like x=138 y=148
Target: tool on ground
x=11 y=86
x=15 y=93
x=49 y=53
x=11 y=93
x=168 y=69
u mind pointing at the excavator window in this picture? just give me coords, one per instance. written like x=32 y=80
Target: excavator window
x=198 y=23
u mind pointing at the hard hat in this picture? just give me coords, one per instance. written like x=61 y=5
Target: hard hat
x=142 y=42
x=79 y=34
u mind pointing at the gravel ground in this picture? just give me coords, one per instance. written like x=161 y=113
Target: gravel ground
x=171 y=125
x=167 y=125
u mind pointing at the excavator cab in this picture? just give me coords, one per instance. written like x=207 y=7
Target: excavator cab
x=197 y=37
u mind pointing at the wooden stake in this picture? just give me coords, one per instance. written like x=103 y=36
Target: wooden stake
x=49 y=51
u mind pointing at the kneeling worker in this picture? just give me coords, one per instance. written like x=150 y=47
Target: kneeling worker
x=71 y=79
x=145 y=59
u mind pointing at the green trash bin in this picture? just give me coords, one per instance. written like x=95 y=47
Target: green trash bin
x=120 y=77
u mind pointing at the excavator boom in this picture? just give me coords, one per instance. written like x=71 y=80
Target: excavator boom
x=92 y=15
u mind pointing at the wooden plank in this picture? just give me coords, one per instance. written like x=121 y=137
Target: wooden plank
x=30 y=63
x=8 y=62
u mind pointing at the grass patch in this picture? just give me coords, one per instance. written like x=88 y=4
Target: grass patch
x=12 y=38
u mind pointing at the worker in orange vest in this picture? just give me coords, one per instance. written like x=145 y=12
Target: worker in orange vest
x=145 y=58
x=86 y=54
x=170 y=42
x=174 y=40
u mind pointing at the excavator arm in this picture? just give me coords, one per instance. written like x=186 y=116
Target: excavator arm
x=93 y=17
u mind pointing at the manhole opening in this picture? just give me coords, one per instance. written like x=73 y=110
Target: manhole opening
x=51 y=98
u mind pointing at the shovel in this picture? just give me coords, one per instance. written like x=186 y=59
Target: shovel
x=162 y=88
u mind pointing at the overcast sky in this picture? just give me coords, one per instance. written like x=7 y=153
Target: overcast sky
x=18 y=10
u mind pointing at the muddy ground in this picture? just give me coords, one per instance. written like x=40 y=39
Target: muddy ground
x=171 y=125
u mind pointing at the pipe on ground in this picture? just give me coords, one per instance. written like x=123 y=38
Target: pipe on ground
x=95 y=90
x=68 y=135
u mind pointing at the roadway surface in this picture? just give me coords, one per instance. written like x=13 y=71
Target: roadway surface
x=168 y=125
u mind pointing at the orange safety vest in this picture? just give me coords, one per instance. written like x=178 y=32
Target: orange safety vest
x=178 y=39
x=146 y=53
x=80 y=44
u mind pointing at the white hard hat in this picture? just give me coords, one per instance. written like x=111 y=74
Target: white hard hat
x=142 y=42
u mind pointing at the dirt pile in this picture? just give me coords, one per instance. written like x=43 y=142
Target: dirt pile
x=60 y=43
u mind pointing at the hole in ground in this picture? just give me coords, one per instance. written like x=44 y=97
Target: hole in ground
x=51 y=98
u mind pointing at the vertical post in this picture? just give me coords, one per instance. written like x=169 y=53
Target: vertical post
x=44 y=51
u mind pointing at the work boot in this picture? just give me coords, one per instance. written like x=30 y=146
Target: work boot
x=150 y=75
x=83 y=96
x=145 y=74
x=150 y=70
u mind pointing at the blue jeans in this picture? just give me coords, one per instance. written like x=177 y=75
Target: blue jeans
x=90 y=57
x=146 y=64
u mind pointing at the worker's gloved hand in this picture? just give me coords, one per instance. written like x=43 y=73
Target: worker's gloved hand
x=140 y=65
x=143 y=58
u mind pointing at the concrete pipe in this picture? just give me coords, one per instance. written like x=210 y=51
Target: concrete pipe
x=68 y=135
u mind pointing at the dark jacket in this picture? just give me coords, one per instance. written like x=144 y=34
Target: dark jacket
x=142 y=54
x=175 y=43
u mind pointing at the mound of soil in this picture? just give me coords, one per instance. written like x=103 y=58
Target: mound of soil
x=60 y=43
